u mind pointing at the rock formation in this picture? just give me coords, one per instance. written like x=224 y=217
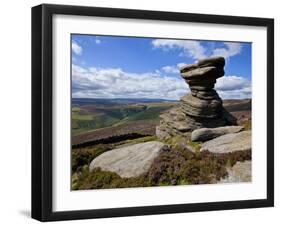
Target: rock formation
x=202 y=107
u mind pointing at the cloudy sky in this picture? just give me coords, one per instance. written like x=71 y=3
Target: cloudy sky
x=124 y=67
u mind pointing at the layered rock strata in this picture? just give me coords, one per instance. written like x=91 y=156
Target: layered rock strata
x=202 y=107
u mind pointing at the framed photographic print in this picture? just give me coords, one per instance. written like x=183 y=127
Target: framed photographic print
x=146 y=112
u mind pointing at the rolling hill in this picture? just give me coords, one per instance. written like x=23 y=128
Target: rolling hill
x=98 y=118
x=94 y=113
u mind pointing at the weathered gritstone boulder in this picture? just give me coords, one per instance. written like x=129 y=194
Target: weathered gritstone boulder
x=229 y=143
x=130 y=161
x=240 y=172
x=202 y=107
x=205 y=134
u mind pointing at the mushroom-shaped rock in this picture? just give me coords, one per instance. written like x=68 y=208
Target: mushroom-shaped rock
x=202 y=107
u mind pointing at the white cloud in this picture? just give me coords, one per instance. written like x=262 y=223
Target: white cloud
x=170 y=69
x=196 y=50
x=190 y=48
x=76 y=48
x=173 y=69
x=97 y=41
x=227 y=83
x=116 y=83
x=232 y=49
x=233 y=87
x=179 y=65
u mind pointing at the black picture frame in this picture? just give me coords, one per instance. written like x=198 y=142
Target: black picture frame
x=42 y=111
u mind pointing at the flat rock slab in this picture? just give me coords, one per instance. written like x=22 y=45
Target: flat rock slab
x=240 y=172
x=205 y=134
x=229 y=143
x=130 y=161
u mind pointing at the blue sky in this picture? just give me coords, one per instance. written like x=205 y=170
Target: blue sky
x=122 y=67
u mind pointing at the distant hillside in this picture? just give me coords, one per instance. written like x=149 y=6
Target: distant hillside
x=110 y=101
x=88 y=116
x=92 y=114
x=238 y=105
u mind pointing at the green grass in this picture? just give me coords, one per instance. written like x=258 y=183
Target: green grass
x=151 y=112
x=195 y=145
x=90 y=122
x=77 y=116
x=179 y=140
x=83 y=156
x=137 y=141
x=175 y=140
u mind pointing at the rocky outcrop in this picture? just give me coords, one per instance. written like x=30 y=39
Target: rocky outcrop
x=205 y=134
x=229 y=143
x=240 y=172
x=200 y=108
x=130 y=161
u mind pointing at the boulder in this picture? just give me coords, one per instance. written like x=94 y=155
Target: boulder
x=205 y=134
x=129 y=161
x=240 y=172
x=229 y=143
